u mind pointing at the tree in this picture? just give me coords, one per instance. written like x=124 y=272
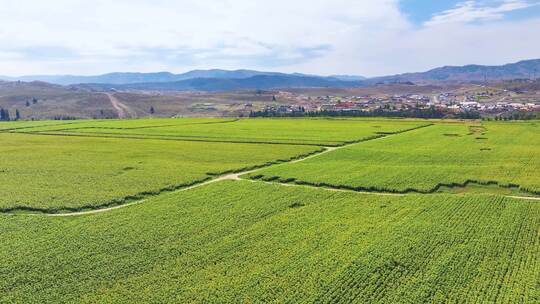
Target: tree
x=34 y=100
x=152 y=111
x=17 y=114
x=27 y=103
x=273 y=97
x=4 y=115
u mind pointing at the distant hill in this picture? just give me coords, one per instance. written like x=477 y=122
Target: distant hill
x=224 y=74
x=160 y=77
x=348 y=77
x=216 y=79
x=41 y=100
x=470 y=73
x=128 y=78
x=261 y=82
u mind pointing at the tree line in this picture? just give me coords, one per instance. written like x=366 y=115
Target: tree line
x=431 y=112
x=517 y=115
x=6 y=116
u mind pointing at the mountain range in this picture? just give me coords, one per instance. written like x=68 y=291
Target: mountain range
x=164 y=77
x=262 y=82
x=526 y=69
x=223 y=80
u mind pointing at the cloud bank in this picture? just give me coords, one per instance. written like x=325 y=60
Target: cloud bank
x=323 y=37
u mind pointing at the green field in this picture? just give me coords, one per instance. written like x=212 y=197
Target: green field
x=250 y=242
x=55 y=173
x=424 y=159
x=398 y=211
x=124 y=124
x=6 y=126
x=329 y=132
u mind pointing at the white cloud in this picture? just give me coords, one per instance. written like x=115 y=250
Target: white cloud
x=179 y=35
x=318 y=36
x=470 y=11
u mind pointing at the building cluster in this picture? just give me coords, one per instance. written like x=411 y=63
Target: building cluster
x=447 y=103
x=485 y=102
x=492 y=107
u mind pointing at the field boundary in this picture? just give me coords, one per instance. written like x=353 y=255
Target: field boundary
x=324 y=188
x=373 y=189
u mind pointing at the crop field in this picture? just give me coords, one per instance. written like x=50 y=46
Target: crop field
x=30 y=125
x=53 y=173
x=423 y=160
x=269 y=211
x=329 y=132
x=238 y=241
x=42 y=126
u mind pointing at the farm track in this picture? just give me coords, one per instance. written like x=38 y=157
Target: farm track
x=122 y=110
x=233 y=177
x=530 y=198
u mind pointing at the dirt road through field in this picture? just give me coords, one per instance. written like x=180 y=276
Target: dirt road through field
x=231 y=176
x=530 y=198
x=122 y=110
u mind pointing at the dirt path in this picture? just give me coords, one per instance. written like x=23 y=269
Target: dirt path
x=236 y=177
x=96 y=211
x=122 y=110
x=231 y=176
x=530 y=198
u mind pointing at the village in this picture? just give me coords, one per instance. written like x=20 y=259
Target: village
x=482 y=101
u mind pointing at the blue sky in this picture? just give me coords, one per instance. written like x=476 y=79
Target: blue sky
x=420 y=11
x=362 y=37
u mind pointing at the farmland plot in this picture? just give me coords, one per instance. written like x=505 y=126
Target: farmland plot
x=331 y=132
x=55 y=173
x=423 y=160
x=239 y=241
x=114 y=124
x=6 y=126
